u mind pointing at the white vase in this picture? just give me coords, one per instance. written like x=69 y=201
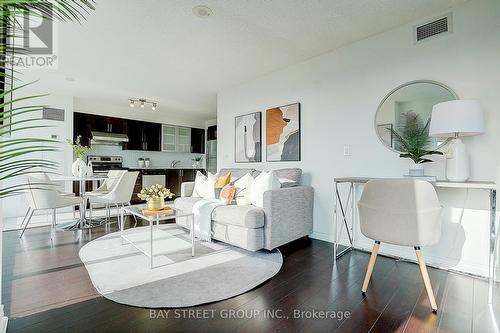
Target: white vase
x=416 y=169
x=79 y=168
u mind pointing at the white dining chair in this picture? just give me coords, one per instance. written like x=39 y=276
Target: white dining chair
x=403 y=212
x=107 y=186
x=109 y=183
x=42 y=195
x=120 y=195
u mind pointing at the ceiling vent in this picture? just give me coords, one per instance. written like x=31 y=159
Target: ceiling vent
x=434 y=28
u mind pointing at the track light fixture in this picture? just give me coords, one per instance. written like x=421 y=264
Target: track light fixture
x=142 y=103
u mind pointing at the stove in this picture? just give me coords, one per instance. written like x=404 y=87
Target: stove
x=102 y=164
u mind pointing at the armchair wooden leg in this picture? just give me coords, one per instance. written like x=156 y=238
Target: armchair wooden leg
x=425 y=277
x=371 y=263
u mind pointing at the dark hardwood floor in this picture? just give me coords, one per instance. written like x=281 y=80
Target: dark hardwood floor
x=46 y=288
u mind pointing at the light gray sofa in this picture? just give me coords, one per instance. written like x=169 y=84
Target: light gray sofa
x=287 y=214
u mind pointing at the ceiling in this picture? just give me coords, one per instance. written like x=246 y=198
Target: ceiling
x=159 y=50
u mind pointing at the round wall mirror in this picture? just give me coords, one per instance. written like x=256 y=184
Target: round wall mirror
x=409 y=108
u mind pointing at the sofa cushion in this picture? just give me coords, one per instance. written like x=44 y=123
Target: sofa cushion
x=293 y=174
x=243 y=216
x=200 y=185
x=236 y=172
x=186 y=203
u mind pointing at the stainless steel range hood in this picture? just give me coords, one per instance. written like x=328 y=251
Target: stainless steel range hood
x=103 y=138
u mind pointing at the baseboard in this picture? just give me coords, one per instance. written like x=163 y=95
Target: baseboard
x=464 y=267
x=322 y=236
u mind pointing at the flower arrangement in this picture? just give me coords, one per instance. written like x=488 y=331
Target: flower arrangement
x=78 y=149
x=155 y=192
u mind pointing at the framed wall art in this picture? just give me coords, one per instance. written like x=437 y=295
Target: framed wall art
x=283 y=133
x=248 y=138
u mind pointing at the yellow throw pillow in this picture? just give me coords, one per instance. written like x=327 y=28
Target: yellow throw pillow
x=223 y=181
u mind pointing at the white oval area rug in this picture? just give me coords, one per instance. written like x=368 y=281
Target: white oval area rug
x=121 y=273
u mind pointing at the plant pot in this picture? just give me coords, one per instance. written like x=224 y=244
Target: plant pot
x=79 y=168
x=156 y=203
x=416 y=169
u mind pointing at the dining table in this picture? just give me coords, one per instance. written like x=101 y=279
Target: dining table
x=83 y=222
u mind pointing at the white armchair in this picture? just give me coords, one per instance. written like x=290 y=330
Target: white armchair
x=403 y=212
x=41 y=195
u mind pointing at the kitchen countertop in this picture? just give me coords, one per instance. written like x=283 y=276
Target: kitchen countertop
x=163 y=168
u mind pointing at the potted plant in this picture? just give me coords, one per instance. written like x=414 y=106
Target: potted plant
x=196 y=161
x=413 y=140
x=155 y=196
x=79 y=167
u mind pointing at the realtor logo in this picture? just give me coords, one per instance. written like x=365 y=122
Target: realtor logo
x=38 y=34
x=35 y=38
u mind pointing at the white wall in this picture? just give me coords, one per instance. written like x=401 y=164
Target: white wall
x=339 y=93
x=58 y=130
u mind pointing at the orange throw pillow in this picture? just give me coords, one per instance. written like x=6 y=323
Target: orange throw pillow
x=223 y=181
x=227 y=194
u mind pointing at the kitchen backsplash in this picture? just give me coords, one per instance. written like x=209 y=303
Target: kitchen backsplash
x=158 y=159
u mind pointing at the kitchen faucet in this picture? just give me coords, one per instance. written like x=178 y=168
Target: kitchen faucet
x=174 y=163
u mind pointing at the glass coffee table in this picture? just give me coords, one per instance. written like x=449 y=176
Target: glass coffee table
x=154 y=220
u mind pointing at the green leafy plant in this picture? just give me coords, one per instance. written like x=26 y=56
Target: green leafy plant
x=197 y=158
x=78 y=149
x=413 y=138
x=20 y=114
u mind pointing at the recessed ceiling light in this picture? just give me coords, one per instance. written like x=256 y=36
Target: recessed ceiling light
x=202 y=11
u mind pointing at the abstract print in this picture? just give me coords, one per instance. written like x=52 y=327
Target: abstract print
x=283 y=133
x=248 y=138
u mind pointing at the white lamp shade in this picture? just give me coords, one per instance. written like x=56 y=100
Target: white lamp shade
x=464 y=117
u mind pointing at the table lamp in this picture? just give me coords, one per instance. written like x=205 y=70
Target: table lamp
x=455 y=119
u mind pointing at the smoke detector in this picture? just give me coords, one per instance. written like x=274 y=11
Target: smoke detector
x=202 y=11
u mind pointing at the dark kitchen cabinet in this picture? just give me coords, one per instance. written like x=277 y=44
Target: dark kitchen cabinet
x=143 y=136
x=152 y=136
x=134 y=133
x=197 y=140
x=115 y=125
x=82 y=125
x=175 y=177
x=212 y=133
x=173 y=181
x=107 y=124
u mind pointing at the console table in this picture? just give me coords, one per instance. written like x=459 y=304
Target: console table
x=350 y=201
